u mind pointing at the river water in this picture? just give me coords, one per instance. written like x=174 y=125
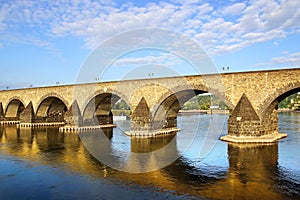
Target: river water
x=45 y=164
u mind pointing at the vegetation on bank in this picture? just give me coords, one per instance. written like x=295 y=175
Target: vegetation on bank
x=205 y=101
x=200 y=102
x=121 y=108
x=290 y=102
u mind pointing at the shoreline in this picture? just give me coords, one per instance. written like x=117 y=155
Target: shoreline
x=191 y=112
x=288 y=110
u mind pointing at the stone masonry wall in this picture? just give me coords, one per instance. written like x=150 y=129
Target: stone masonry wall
x=261 y=89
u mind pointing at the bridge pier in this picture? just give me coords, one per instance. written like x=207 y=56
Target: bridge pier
x=73 y=116
x=1 y=112
x=27 y=115
x=141 y=117
x=74 y=121
x=245 y=126
x=143 y=124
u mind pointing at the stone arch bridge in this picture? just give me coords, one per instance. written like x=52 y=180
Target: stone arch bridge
x=252 y=99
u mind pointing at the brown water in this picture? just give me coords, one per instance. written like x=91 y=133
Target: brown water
x=45 y=164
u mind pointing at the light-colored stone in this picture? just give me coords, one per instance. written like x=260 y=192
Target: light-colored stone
x=261 y=139
x=165 y=96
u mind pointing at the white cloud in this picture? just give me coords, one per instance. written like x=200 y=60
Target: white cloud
x=217 y=28
x=291 y=60
x=165 y=59
x=283 y=15
x=3 y=15
x=234 y=9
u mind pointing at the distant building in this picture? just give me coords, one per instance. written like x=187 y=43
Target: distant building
x=295 y=102
x=214 y=107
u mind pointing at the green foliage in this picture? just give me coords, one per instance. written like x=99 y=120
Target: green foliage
x=286 y=103
x=121 y=105
x=203 y=102
x=121 y=108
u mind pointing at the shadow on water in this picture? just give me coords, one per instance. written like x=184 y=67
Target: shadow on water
x=146 y=145
x=252 y=174
x=253 y=171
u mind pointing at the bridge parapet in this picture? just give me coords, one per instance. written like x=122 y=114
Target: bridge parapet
x=252 y=98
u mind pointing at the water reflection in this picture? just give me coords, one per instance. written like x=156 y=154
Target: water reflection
x=146 y=145
x=252 y=171
x=253 y=168
x=146 y=154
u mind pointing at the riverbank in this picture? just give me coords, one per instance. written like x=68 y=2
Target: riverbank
x=192 y=112
x=287 y=110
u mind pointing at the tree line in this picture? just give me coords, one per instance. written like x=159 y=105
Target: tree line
x=205 y=101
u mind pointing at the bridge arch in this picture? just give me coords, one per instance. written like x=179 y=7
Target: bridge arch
x=166 y=113
x=51 y=108
x=270 y=103
x=102 y=91
x=197 y=88
x=172 y=102
x=97 y=108
x=55 y=95
x=14 y=108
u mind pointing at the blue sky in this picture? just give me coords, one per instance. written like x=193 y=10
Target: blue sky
x=44 y=42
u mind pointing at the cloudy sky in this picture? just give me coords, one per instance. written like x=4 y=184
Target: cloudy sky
x=44 y=42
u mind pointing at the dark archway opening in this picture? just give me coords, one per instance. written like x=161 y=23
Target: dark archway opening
x=103 y=107
x=187 y=101
x=51 y=109
x=13 y=110
x=283 y=102
x=286 y=102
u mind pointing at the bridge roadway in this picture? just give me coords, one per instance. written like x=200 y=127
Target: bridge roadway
x=252 y=98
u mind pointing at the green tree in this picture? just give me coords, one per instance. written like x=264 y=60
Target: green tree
x=204 y=102
x=286 y=103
